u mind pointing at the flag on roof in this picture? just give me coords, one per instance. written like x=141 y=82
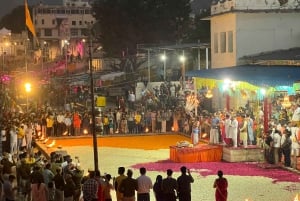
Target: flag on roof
x=29 y=23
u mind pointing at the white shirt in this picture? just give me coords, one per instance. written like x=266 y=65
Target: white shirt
x=144 y=184
x=296 y=115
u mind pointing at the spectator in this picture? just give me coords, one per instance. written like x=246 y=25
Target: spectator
x=144 y=186
x=221 y=186
x=169 y=187
x=90 y=188
x=184 y=184
x=128 y=187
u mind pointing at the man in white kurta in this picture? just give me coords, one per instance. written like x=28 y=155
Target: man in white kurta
x=227 y=123
x=233 y=130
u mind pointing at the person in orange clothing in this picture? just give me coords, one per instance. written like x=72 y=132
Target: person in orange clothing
x=76 y=123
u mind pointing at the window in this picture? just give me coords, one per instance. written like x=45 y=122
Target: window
x=230 y=41
x=216 y=41
x=80 y=22
x=48 y=32
x=223 y=42
x=73 y=23
x=74 y=32
x=84 y=32
x=43 y=21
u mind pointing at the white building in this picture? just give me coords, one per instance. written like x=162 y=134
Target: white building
x=247 y=27
x=61 y=28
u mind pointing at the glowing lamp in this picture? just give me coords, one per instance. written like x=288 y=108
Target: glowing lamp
x=286 y=102
x=85 y=131
x=209 y=94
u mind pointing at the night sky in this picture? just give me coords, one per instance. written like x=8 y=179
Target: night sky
x=6 y=6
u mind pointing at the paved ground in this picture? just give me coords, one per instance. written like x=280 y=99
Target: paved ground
x=152 y=151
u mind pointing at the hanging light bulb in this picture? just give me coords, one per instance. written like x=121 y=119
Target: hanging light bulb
x=208 y=94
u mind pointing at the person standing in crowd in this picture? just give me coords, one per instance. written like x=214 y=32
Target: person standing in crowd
x=9 y=189
x=243 y=132
x=69 y=188
x=276 y=139
x=90 y=188
x=50 y=123
x=158 y=192
x=60 y=118
x=214 y=131
x=227 y=123
x=68 y=123
x=20 y=136
x=250 y=129
x=77 y=178
x=296 y=115
x=294 y=138
x=169 y=186
x=128 y=187
x=13 y=140
x=59 y=185
x=107 y=188
x=233 y=131
x=28 y=135
x=39 y=191
x=48 y=174
x=76 y=123
x=184 y=184
x=286 y=148
x=221 y=185
x=118 y=181
x=144 y=186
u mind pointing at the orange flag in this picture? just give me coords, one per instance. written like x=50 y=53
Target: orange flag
x=29 y=23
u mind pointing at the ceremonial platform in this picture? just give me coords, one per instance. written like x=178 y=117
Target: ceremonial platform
x=251 y=153
x=198 y=153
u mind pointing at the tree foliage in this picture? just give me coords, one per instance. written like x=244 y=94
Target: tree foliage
x=123 y=24
x=14 y=21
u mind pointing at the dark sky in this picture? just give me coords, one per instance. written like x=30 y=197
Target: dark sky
x=6 y=6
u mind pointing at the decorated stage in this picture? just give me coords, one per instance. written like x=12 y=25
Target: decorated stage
x=215 y=153
x=198 y=153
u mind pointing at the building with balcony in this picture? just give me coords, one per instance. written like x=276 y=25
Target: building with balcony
x=61 y=28
x=240 y=28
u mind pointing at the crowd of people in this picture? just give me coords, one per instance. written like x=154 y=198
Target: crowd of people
x=30 y=176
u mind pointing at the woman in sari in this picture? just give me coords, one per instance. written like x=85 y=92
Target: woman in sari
x=221 y=185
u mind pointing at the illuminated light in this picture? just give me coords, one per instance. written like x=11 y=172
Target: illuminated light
x=146 y=130
x=297 y=197
x=163 y=57
x=85 y=131
x=182 y=58
x=286 y=102
x=263 y=91
x=209 y=94
x=204 y=135
x=173 y=129
x=65 y=133
x=27 y=87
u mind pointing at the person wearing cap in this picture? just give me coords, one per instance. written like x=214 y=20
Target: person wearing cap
x=184 y=184
x=169 y=186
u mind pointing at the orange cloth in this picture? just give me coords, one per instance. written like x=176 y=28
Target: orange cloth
x=201 y=153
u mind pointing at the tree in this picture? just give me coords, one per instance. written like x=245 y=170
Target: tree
x=14 y=21
x=122 y=24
